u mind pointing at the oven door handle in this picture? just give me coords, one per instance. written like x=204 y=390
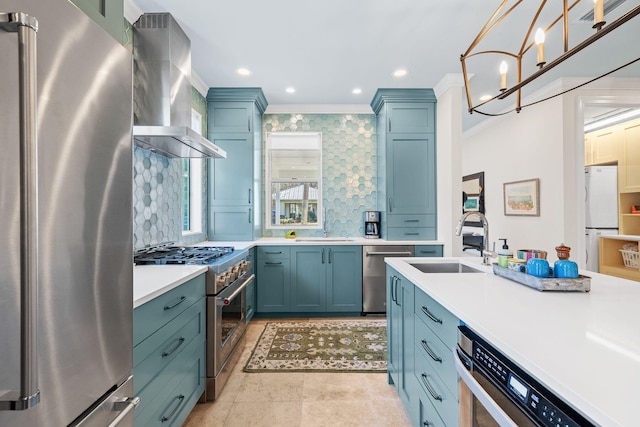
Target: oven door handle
x=227 y=300
x=481 y=394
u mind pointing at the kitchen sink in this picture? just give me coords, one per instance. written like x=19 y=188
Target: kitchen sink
x=445 y=267
x=324 y=239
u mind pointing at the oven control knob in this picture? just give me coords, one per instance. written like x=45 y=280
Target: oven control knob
x=226 y=301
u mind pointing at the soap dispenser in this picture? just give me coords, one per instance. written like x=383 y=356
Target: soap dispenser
x=504 y=254
x=564 y=268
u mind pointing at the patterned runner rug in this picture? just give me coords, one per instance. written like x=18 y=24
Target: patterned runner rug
x=322 y=346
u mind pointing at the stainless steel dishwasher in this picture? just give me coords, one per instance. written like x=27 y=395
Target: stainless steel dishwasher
x=374 y=293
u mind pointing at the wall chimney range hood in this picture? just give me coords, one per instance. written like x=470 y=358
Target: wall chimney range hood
x=162 y=90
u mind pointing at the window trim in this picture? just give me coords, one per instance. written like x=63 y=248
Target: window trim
x=269 y=182
x=195 y=186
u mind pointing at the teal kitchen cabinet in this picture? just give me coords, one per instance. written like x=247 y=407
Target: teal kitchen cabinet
x=234 y=120
x=326 y=279
x=436 y=336
x=406 y=163
x=428 y=251
x=250 y=308
x=400 y=337
x=411 y=117
x=309 y=278
x=108 y=14
x=344 y=279
x=421 y=336
x=169 y=354
x=274 y=279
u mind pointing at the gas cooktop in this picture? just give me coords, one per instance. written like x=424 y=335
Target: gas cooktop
x=162 y=255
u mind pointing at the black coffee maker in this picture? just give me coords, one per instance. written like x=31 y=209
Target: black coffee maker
x=372 y=224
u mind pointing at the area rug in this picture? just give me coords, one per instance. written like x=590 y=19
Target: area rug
x=321 y=346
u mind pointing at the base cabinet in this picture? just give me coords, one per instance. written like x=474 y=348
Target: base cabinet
x=421 y=337
x=169 y=354
x=400 y=352
x=274 y=277
x=309 y=279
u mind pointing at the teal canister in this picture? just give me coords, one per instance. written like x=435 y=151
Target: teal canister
x=564 y=268
x=504 y=254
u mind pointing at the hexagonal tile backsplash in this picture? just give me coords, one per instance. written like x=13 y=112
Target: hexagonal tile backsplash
x=348 y=166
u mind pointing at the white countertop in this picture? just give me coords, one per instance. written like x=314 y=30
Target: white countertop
x=150 y=281
x=584 y=346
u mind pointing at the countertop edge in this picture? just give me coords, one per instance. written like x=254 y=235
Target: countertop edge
x=162 y=283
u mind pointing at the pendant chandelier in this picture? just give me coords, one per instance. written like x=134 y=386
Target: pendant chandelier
x=534 y=36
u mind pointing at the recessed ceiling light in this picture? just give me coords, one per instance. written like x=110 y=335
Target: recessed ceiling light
x=290 y=90
x=357 y=91
x=485 y=98
x=243 y=72
x=400 y=72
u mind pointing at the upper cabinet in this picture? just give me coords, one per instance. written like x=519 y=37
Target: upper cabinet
x=405 y=117
x=630 y=159
x=601 y=146
x=234 y=119
x=108 y=14
x=406 y=162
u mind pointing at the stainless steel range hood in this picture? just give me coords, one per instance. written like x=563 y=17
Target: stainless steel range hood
x=162 y=90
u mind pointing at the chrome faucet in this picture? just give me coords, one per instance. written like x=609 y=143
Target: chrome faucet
x=486 y=253
x=325 y=227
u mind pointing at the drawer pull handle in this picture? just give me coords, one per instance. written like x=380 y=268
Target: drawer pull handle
x=175 y=304
x=411 y=234
x=273 y=253
x=429 y=387
x=170 y=352
x=430 y=352
x=168 y=417
x=411 y=220
x=427 y=423
x=431 y=315
x=273 y=263
x=428 y=252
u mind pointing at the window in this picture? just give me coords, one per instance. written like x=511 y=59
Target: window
x=191 y=175
x=294 y=180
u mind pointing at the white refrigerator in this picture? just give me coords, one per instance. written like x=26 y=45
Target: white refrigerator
x=601 y=209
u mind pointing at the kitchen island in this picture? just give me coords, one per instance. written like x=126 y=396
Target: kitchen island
x=583 y=346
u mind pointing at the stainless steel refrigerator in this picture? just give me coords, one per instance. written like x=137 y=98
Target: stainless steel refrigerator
x=65 y=219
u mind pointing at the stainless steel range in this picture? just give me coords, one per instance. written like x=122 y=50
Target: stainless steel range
x=227 y=279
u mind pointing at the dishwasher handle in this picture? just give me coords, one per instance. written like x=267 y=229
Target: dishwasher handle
x=481 y=394
x=404 y=253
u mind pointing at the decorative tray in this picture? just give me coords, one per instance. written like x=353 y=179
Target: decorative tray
x=579 y=284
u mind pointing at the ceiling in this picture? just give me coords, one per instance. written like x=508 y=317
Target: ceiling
x=326 y=49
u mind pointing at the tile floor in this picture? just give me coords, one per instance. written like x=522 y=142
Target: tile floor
x=300 y=399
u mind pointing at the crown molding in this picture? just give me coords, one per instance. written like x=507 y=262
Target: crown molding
x=318 y=109
x=448 y=81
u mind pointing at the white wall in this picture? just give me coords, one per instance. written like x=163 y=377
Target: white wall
x=448 y=153
x=543 y=141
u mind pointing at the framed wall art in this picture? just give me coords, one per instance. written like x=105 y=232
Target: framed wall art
x=522 y=198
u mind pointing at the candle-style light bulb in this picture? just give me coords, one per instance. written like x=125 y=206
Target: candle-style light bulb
x=598 y=14
x=503 y=75
x=540 y=44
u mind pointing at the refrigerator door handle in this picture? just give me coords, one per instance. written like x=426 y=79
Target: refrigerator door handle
x=126 y=406
x=26 y=26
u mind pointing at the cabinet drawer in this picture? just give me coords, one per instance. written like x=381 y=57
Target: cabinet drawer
x=411 y=221
x=438 y=355
x=273 y=252
x=184 y=376
x=155 y=353
x=428 y=416
x=437 y=318
x=428 y=250
x=411 y=234
x=151 y=316
x=445 y=402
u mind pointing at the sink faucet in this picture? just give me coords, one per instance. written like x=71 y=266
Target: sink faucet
x=325 y=227
x=486 y=253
